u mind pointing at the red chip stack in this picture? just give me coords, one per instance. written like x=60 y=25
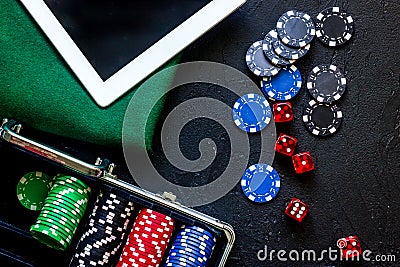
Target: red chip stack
x=148 y=239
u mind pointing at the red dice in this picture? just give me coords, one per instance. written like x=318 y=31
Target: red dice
x=286 y=144
x=283 y=112
x=297 y=209
x=303 y=162
x=350 y=247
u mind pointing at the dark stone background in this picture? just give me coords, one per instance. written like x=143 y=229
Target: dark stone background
x=355 y=188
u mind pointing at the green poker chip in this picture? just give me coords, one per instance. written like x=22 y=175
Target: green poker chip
x=80 y=204
x=59 y=220
x=48 y=237
x=73 y=180
x=32 y=189
x=63 y=204
x=61 y=231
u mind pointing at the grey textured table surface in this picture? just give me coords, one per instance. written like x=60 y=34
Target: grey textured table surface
x=355 y=188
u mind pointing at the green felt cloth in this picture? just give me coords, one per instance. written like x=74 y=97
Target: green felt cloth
x=38 y=88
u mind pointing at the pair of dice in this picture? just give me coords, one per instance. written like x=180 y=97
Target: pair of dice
x=286 y=145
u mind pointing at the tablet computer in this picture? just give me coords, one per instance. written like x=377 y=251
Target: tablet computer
x=112 y=45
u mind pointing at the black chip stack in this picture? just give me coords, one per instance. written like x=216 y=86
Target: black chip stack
x=105 y=232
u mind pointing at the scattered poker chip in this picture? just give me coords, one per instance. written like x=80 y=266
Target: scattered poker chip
x=322 y=119
x=258 y=63
x=284 y=86
x=260 y=183
x=296 y=28
x=32 y=189
x=288 y=52
x=252 y=113
x=270 y=53
x=334 y=26
x=326 y=83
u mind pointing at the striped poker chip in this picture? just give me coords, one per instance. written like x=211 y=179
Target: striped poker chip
x=200 y=235
x=296 y=28
x=270 y=53
x=326 y=83
x=145 y=222
x=260 y=183
x=257 y=63
x=104 y=234
x=285 y=86
x=334 y=27
x=252 y=113
x=32 y=189
x=156 y=215
x=148 y=239
x=322 y=119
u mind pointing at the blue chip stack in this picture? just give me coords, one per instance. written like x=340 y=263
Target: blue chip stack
x=193 y=246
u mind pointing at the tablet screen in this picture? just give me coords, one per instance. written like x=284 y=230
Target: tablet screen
x=111 y=33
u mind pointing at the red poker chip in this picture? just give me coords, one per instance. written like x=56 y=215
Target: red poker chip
x=149 y=239
x=157 y=237
x=146 y=244
x=137 y=262
x=153 y=228
x=154 y=219
x=162 y=225
x=153 y=234
x=133 y=253
x=146 y=253
x=159 y=215
x=150 y=220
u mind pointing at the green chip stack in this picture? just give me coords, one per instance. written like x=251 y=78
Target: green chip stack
x=62 y=212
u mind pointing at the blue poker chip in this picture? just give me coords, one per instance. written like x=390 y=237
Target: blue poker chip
x=260 y=183
x=189 y=232
x=198 y=229
x=193 y=244
x=284 y=86
x=193 y=257
x=252 y=113
x=195 y=251
x=176 y=262
x=202 y=243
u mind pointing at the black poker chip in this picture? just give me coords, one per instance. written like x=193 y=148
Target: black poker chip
x=296 y=28
x=288 y=52
x=326 y=83
x=105 y=231
x=322 y=119
x=270 y=53
x=258 y=63
x=334 y=26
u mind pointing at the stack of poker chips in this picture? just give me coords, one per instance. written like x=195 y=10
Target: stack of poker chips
x=148 y=239
x=105 y=232
x=62 y=212
x=193 y=246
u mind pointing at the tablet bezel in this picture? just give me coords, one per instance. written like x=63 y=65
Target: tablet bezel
x=106 y=92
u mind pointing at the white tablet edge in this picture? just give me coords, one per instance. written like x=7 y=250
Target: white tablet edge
x=106 y=92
